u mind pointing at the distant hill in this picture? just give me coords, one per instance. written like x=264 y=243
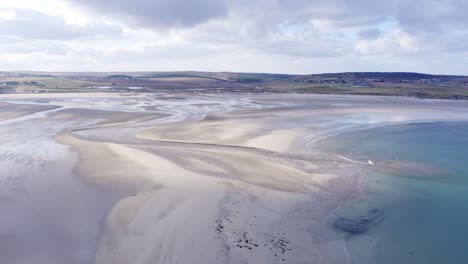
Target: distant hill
x=383 y=75
x=363 y=83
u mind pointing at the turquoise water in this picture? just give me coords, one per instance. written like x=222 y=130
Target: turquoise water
x=425 y=217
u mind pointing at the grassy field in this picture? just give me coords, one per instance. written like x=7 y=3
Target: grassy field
x=181 y=76
x=413 y=90
x=46 y=83
x=183 y=79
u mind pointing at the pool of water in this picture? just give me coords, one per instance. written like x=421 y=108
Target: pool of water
x=425 y=213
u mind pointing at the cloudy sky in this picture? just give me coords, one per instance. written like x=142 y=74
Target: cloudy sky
x=288 y=36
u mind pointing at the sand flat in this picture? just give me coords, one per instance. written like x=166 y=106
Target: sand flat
x=208 y=179
x=11 y=111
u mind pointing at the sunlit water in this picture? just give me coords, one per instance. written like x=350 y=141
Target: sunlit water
x=425 y=215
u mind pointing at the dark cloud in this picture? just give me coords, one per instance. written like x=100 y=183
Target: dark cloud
x=431 y=15
x=31 y=24
x=159 y=14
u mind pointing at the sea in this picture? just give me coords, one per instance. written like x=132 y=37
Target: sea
x=423 y=212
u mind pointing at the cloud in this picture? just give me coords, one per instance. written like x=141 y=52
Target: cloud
x=31 y=24
x=293 y=27
x=396 y=41
x=7 y=14
x=160 y=14
x=431 y=15
x=415 y=15
x=259 y=35
x=14 y=46
x=370 y=33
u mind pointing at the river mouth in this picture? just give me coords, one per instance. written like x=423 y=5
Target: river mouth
x=423 y=210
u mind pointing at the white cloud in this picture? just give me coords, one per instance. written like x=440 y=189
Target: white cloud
x=394 y=42
x=7 y=14
x=32 y=24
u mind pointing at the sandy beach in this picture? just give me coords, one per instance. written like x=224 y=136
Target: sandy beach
x=146 y=178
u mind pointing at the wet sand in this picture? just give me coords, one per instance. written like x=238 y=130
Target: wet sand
x=12 y=111
x=195 y=179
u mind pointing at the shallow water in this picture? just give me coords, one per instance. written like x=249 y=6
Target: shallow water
x=49 y=215
x=425 y=214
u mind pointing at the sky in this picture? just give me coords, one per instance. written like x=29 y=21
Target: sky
x=277 y=36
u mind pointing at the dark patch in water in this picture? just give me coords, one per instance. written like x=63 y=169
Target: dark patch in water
x=358 y=225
